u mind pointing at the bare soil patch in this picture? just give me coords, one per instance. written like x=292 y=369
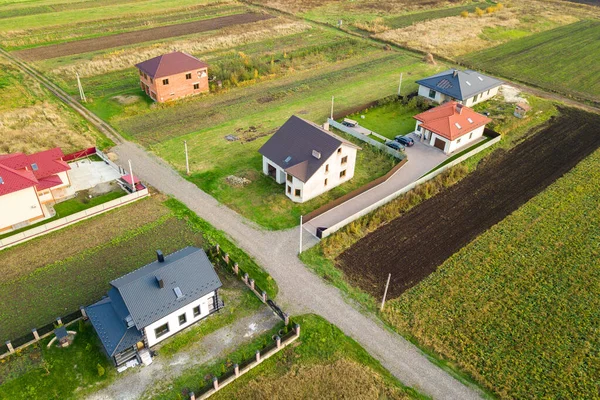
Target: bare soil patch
x=124 y=39
x=413 y=246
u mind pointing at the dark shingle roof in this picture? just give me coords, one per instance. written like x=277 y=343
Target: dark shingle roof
x=170 y=64
x=188 y=269
x=291 y=147
x=460 y=85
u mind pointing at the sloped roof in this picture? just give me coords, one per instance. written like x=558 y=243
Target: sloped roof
x=188 y=269
x=292 y=146
x=460 y=85
x=19 y=171
x=170 y=64
x=451 y=120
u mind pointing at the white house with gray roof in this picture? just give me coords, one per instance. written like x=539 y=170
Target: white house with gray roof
x=308 y=159
x=154 y=302
x=466 y=87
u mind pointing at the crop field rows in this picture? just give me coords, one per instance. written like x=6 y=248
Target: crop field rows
x=430 y=233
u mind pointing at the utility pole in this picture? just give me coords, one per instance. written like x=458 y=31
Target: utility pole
x=132 y=178
x=385 y=293
x=400 y=85
x=81 y=93
x=332 y=97
x=300 y=248
x=187 y=160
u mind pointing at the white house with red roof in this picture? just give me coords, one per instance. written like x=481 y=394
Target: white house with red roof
x=450 y=126
x=27 y=183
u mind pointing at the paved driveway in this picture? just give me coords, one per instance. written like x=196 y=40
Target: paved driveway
x=421 y=159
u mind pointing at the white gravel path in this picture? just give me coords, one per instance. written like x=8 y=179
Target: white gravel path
x=301 y=291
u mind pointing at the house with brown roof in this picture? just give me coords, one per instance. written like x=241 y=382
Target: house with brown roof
x=173 y=76
x=308 y=159
x=27 y=183
x=450 y=126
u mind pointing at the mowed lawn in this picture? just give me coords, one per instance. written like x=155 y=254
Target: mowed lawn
x=322 y=363
x=389 y=120
x=56 y=274
x=564 y=60
x=518 y=307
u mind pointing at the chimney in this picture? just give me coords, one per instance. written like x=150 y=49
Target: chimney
x=161 y=283
x=459 y=108
x=159 y=256
x=455 y=73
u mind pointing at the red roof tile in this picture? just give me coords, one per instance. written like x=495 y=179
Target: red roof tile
x=12 y=180
x=170 y=64
x=451 y=120
x=48 y=163
x=49 y=182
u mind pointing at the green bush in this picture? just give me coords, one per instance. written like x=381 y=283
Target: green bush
x=100 y=370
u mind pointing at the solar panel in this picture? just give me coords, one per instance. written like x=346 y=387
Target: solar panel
x=444 y=84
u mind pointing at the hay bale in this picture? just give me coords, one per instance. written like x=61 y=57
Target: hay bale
x=429 y=59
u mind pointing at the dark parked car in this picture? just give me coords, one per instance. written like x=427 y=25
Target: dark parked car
x=406 y=141
x=394 y=145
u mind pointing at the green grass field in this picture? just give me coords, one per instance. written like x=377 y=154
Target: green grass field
x=402 y=21
x=73 y=266
x=323 y=363
x=549 y=60
x=518 y=307
x=389 y=120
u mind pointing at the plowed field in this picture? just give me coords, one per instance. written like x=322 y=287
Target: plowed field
x=413 y=246
x=124 y=39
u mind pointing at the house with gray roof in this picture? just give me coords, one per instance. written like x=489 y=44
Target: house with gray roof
x=308 y=159
x=154 y=302
x=465 y=87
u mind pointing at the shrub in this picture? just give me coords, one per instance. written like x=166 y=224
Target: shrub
x=490 y=10
x=100 y=370
x=499 y=6
x=479 y=11
x=464 y=14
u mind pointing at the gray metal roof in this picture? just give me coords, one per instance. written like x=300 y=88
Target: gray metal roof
x=188 y=269
x=460 y=85
x=292 y=146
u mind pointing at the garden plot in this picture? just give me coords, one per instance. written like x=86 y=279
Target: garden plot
x=413 y=246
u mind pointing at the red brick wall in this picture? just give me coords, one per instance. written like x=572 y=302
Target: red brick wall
x=178 y=86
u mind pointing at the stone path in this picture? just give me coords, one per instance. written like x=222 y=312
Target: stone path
x=141 y=381
x=301 y=291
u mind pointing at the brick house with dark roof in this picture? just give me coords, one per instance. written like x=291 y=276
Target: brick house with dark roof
x=27 y=183
x=173 y=76
x=308 y=159
x=154 y=302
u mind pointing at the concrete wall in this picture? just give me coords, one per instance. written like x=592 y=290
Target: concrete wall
x=19 y=207
x=173 y=319
x=439 y=97
x=71 y=219
x=366 y=139
x=178 y=85
x=411 y=186
x=330 y=170
x=466 y=139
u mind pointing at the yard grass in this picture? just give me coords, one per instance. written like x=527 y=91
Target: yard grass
x=32 y=119
x=73 y=266
x=322 y=363
x=389 y=120
x=574 y=69
x=517 y=307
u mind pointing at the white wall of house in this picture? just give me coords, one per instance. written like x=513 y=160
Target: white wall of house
x=19 y=207
x=438 y=98
x=329 y=171
x=441 y=98
x=173 y=319
x=279 y=174
x=465 y=139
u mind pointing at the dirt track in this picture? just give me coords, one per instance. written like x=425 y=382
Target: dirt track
x=412 y=246
x=124 y=39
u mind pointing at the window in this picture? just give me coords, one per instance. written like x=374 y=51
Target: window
x=151 y=80
x=419 y=128
x=161 y=330
x=165 y=81
x=182 y=319
x=141 y=73
x=458 y=141
x=343 y=174
x=325 y=182
x=470 y=135
x=196 y=311
x=290 y=178
x=145 y=76
x=340 y=150
x=289 y=190
x=196 y=86
x=297 y=192
x=344 y=160
x=326 y=167
x=211 y=304
x=188 y=76
x=34 y=167
x=432 y=93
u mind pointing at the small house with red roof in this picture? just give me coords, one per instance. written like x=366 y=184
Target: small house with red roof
x=173 y=76
x=450 y=126
x=27 y=183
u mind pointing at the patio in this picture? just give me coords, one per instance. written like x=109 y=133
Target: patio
x=85 y=174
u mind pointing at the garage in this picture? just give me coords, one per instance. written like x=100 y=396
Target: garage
x=440 y=144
